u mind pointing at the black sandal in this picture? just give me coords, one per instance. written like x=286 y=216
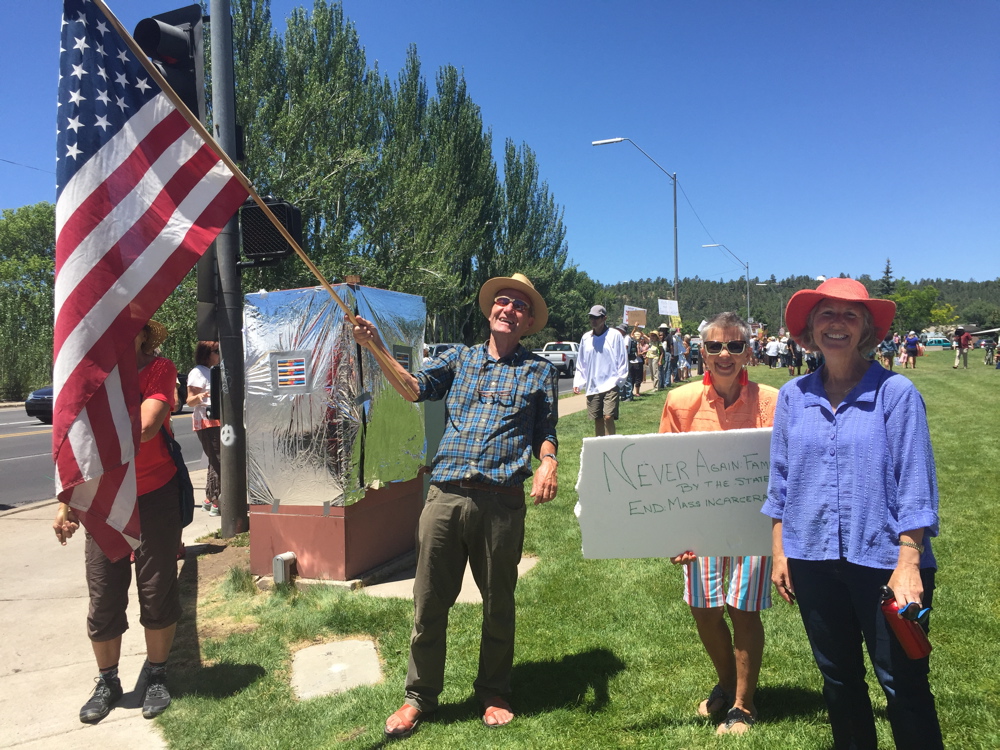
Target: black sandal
x=717 y=696
x=736 y=716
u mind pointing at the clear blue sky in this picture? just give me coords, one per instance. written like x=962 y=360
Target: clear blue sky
x=810 y=137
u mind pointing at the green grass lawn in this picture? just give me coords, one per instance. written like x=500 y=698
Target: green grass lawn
x=607 y=653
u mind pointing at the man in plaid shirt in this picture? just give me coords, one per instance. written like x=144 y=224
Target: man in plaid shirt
x=502 y=405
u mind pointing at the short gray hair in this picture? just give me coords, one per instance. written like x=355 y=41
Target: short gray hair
x=730 y=320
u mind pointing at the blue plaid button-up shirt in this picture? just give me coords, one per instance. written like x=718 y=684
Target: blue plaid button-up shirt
x=496 y=412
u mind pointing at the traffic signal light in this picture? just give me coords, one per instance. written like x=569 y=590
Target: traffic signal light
x=260 y=240
x=174 y=42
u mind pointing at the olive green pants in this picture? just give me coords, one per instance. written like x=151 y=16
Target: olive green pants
x=487 y=529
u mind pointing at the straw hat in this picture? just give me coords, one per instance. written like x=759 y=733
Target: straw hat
x=157 y=334
x=521 y=283
x=845 y=290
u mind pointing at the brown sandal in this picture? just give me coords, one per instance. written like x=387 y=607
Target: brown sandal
x=407 y=720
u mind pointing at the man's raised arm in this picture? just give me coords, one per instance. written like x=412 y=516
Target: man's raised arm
x=399 y=378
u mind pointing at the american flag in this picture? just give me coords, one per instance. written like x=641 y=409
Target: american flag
x=140 y=196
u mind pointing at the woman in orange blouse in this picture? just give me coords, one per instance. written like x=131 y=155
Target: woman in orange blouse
x=725 y=399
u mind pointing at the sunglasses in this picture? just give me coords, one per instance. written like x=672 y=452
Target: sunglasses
x=519 y=304
x=734 y=347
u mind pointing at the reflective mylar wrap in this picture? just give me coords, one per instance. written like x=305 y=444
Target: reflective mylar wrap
x=322 y=424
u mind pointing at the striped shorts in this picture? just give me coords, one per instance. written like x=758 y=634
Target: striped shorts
x=743 y=583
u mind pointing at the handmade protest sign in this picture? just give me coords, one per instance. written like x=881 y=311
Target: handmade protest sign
x=660 y=495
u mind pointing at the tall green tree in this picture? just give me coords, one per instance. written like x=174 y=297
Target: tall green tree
x=914 y=306
x=27 y=266
x=886 y=285
x=433 y=222
x=532 y=239
x=312 y=111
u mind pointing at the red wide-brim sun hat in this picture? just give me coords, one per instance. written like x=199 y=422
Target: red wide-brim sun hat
x=847 y=290
x=522 y=283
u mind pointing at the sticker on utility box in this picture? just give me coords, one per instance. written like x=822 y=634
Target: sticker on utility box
x=290 y=372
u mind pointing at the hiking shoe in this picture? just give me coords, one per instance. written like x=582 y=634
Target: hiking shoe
x=106 y=694
x=156 y=697
x=207 y=505
x=214 y=510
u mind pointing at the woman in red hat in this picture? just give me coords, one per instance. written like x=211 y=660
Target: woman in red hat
x=853 y=497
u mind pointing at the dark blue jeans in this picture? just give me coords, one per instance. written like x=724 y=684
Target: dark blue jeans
x=839 y=604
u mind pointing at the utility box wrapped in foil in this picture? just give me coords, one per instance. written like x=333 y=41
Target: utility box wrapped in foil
x=323 y=424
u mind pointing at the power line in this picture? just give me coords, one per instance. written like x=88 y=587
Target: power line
x=27 y=166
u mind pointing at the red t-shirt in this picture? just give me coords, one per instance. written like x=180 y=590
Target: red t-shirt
x=154 y=466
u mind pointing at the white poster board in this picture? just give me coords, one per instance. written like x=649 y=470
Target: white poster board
x=668 y=307
x=660 y=495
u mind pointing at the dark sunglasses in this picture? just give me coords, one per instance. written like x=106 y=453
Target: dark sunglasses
x=519 y=304
x=734 y=347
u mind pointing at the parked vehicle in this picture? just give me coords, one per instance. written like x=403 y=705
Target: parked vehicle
x=436 y=349
x=562 y=354
x=695 y=356
x=938 y=341
x=39 y=404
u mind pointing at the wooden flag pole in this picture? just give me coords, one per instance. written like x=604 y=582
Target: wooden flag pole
x=380 y=354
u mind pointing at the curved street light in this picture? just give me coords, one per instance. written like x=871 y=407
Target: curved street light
x=673 y=178
x=746 y=267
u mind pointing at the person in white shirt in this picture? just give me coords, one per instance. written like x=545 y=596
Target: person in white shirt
x=199 y=380
x=601 y=365
x=679 y=362
x=772 y=352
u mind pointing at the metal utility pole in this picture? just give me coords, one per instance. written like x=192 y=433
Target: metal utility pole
x=673 y=178
x=233 y=455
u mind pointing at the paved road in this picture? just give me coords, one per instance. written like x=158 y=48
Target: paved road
x=26 y=456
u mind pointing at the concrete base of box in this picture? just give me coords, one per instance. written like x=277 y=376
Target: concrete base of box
x=346 y=543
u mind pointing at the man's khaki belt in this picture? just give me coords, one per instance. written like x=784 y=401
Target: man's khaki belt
x=466 y=484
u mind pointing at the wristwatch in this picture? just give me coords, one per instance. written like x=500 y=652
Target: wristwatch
x=549 y=455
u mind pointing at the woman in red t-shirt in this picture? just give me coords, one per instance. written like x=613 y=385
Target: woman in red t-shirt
x=155 y=559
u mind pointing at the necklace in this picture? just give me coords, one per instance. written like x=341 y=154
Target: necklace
x=842 y=390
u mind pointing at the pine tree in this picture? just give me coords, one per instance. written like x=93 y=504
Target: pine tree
x=887 y=285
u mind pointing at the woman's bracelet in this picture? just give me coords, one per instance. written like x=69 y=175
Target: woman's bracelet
x=918 y=547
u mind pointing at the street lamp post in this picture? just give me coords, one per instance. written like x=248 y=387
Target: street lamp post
x=673 y=178
x=746 y=267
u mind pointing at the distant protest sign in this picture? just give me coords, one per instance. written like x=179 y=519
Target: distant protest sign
x=668 y=307
x=660 y=495
x=635 y=316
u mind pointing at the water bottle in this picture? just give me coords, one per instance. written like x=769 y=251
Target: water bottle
x=909 y=633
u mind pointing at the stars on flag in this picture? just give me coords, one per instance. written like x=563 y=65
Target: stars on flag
x=93 y=59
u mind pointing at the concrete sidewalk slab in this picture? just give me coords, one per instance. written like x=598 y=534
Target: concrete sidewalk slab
x=331 y=668
x=47 y=666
